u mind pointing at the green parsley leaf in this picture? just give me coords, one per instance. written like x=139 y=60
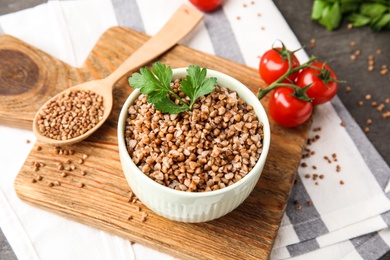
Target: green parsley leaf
x=156 y=83
x=140 y=81
x=196 y=85
x=164 y=74
x=166 y=105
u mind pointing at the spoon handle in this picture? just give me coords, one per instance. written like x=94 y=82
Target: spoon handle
x=179 y=25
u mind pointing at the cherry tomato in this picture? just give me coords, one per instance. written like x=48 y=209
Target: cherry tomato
x=206 y=5
x=287 y=110
x=323 y=87
x=273 y=65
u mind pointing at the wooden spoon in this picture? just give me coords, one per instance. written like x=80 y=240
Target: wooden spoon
x=179 y=25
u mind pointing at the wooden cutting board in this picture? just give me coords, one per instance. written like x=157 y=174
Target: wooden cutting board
x=95 y=191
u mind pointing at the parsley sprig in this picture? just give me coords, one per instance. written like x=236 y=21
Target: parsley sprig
x=156 y=84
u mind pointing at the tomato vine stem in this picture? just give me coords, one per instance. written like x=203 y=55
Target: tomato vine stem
x=278 y=83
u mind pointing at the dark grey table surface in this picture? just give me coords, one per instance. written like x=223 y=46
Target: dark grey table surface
x=333 y=47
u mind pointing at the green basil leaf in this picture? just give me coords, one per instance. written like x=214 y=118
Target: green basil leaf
x=373 y=13
x=383 y=22
x=331 y=16
x=358 y=20
x=372 y=9
x=350 y=6
x=318 y=7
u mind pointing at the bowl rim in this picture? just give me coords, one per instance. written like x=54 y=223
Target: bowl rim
x=179 y=73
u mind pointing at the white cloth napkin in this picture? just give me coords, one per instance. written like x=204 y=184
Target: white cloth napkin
x=331 y=228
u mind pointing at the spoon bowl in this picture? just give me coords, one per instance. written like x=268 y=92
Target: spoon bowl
x=99 y=87
x=183 y=21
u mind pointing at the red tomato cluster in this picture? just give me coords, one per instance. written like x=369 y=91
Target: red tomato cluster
x=206 y=5
x=322 y=89
x=295 y=88
x=273 y=65
x=287 y=110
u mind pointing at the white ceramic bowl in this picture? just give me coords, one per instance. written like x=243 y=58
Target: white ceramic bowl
x=193 y=206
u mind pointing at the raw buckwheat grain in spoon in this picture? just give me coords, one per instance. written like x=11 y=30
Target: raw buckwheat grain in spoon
x=77 y=112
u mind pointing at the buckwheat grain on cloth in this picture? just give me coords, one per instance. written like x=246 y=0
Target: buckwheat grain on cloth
x=343 y=213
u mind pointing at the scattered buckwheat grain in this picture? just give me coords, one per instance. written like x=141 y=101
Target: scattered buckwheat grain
x=312 y=43
x=380 y=107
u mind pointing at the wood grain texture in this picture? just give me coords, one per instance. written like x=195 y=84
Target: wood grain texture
x=246 y=233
